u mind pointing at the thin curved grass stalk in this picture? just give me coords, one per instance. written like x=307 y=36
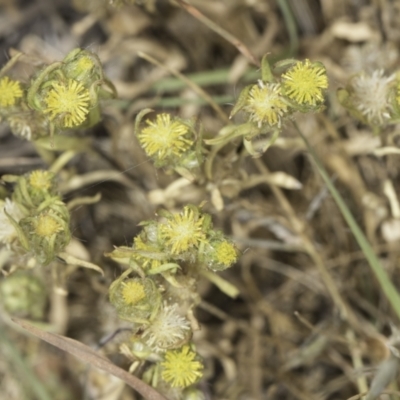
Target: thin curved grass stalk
x=220 y=31
x=196 y=88
x=88 y=355
x=386 y=284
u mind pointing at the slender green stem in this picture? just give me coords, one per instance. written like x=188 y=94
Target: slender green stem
x=290 y=26
x=386 y=284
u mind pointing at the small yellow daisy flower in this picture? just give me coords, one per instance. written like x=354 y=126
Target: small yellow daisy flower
x=10 y=91
x=265 y=104
x=305 y=83
x=40 y=179
x=183 y=231
x=47 y=226
x=133 y=292
x=225 y=253
x=164 y=137
x=69 y=102
x=180 y=369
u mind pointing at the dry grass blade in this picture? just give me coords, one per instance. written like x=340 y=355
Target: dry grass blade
x=222 y=32
x=88 y=355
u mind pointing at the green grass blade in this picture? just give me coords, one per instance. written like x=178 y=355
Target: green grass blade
x=386 y=284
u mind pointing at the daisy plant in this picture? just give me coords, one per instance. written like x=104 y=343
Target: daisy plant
x=60 y=96
x=34 y=222
x=166 y=260
x=284 y=88
x=171 y=142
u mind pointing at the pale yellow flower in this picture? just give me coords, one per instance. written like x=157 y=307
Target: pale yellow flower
x=164 y=137
x=68 y=102
x=305 y=83
x=10 y=91
x=180 y=367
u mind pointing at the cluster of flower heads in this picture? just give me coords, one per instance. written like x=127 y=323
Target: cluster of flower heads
x=62 y=95
x=35 y=221
x=287 y=87
x=169 y=141
x=372 y=98
x=300 y=88
x=167 y=257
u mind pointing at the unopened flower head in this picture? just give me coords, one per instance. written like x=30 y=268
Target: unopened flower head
x=225 y=253
x=164 y=138
x=41 y=179
x=305 y=83
x=136 y=300
x=132 y=292
x=46 y=233
x=167 y=330
x=10 y=91
x=68 y=102
x=47 y=225
x=370 y=95
x=180 y=367
x=7 y=230
x=183 y=231
x=23 y=295
x=81 y=67
x=265 y=104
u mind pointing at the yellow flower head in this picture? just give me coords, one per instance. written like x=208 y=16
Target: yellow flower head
x=225 y=253
x=40 y=179
x=47 y=226
x=180 y=369
x=165 y=137
x=10 y=91
x=265 y=104
x=183 y=231
x=69 y=102
x=305 y=83
x=132 y=292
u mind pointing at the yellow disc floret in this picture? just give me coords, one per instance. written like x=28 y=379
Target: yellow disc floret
x=305 y=82
x=164 y=137
x=225 y=253
x=183 y=231
x=265 y=104
x=68 y=102
x=47 y=226
x=10 y=91
x=180 y=369
x=133 y=292
x=40 y=179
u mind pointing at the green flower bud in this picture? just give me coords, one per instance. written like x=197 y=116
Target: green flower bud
x=136 y=300
x=34 y=188
x=46 y=233
x=23 y=295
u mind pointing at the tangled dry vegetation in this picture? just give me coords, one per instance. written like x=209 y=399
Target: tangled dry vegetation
x=301 y=314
